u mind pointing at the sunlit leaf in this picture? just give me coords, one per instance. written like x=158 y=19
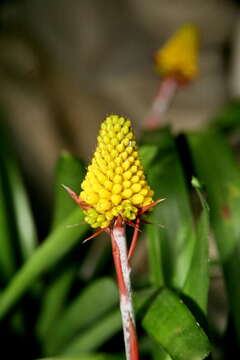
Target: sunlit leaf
x=171 y=324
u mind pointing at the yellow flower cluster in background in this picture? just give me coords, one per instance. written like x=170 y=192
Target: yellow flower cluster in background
x=180 y=54
x=115 y=183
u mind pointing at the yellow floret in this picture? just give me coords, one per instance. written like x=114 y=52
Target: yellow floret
x=114 y=184
x=127 y=193
x=180 y=54
x=137 y=199
x=116 y=199
x=92 y=198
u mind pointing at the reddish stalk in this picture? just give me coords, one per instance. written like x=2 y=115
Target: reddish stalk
x=161 y=103
x=121 y=260
x=120 y=256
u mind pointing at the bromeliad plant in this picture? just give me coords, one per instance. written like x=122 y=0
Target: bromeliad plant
x=83 y=322
x=57 y=300
x=115 y=193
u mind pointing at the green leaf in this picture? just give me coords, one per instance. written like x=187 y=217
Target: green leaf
x=53 y=302
x=56 y=245
x=17 y=198
x=95 y=336
x=70 y=171
x=197 y=281
x=23 y=216
x=155 y=255
x=83 y=312
x=106 y=327
x=171 y=247
x=217 y=169
x=87 y=357
x=170 y=323
x=158 y=352
x=147 y=152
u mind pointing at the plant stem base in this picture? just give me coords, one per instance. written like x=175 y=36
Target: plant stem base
x=119 y=250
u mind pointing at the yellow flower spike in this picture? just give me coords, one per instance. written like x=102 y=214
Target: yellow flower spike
x=111 y=189
x=179 y=56
x=118 y=196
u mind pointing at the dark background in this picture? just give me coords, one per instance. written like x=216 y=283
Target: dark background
x=66 y=64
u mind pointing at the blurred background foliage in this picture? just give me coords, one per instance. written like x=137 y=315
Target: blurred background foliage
x=65 y=65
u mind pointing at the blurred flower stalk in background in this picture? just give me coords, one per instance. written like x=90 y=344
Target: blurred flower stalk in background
x=115 y=193
x=177 y=63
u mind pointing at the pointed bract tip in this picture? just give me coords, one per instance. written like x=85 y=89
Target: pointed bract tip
x=148 y=207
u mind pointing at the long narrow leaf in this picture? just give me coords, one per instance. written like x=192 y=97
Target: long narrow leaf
x=17 y=198
x=96 y=335
x=197 y=281
x=83 y=312
x=106 y=327
x=171 y=247
x=69 y=171
x=53 y=303
x=219 y=172
x=56 y=245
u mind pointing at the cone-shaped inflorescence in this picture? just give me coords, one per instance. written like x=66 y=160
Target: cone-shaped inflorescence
x=115 y=183
x=179 y=56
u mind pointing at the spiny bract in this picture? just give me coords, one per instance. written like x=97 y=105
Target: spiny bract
x=180 y=53
x=115 y=183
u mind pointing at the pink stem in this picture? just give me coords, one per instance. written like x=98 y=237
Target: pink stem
x=160 y=105
x=119 y=250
